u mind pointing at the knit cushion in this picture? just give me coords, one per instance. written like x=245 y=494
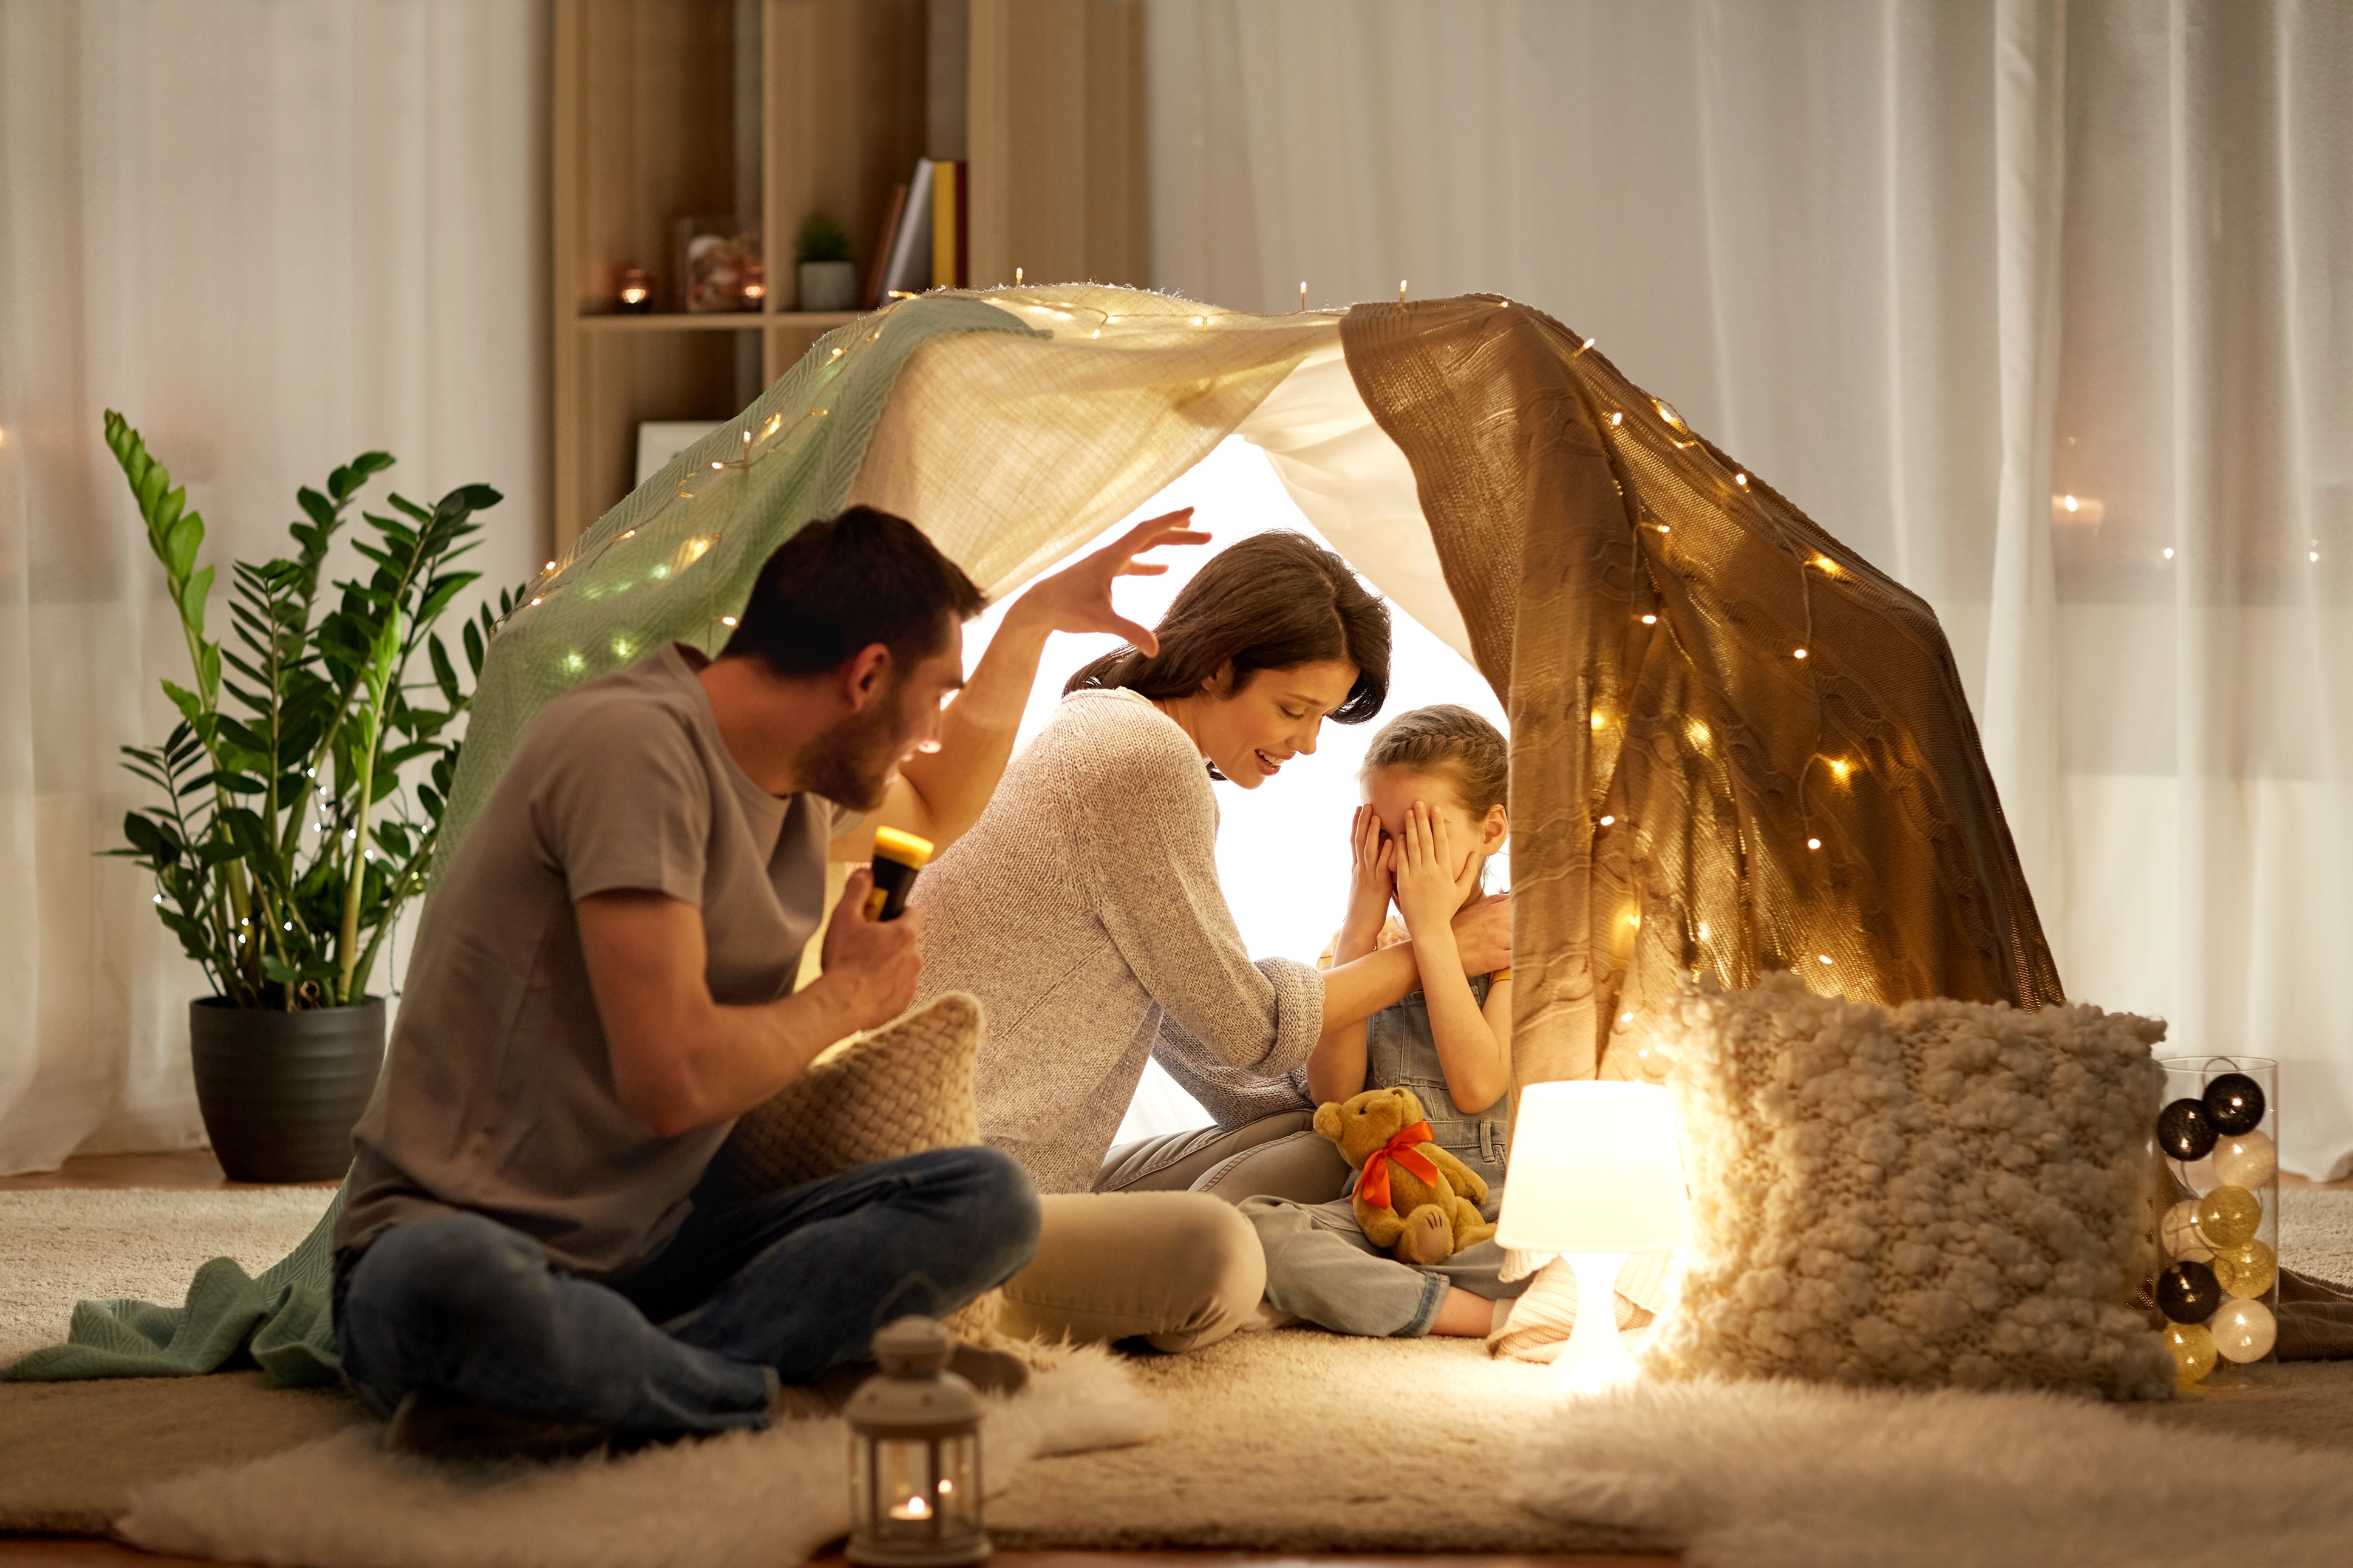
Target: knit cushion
x=902 y=1089
x=1940 y=1194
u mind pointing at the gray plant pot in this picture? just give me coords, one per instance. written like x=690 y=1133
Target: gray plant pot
x=829 y=285
x=281 y=1090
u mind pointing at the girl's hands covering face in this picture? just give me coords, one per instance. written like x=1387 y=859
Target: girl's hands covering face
x=1371 y=881
x=1433 y=876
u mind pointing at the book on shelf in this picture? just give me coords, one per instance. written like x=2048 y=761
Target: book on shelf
x=927 y=240
x=885 y=242
x=909 y=270
x=951 y=224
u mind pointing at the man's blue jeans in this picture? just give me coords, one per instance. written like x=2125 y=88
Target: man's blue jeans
x=797 y=1281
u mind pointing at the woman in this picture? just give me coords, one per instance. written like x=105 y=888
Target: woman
x=1084 y=911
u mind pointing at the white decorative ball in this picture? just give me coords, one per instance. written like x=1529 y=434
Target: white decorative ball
x=2179 y=1232
x=2250 y=1160
x=2243 y=1331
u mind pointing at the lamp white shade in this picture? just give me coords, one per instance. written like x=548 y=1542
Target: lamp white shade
x=1595 y=1167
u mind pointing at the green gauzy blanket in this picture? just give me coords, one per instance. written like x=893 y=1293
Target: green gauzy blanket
x=280 y=1321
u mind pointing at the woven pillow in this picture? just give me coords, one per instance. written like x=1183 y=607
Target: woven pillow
x=902 y=1089
x=1941 y=1194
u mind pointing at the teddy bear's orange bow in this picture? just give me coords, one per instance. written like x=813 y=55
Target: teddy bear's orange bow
x=1372 y=1186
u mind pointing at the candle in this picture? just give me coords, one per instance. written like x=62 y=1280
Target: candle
x=913 y=1507
x=637 y=291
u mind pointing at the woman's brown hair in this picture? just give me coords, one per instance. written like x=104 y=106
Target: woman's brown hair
x=1273 y=601
x=1454 y=740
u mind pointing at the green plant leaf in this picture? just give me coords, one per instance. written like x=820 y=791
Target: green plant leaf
x=143 y=835
x=199 y=589
x=474 y=650
x=182 y=539
x=186 y=701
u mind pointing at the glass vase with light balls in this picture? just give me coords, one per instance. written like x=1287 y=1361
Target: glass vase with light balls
x=2217 y=1280
x=915 y=1456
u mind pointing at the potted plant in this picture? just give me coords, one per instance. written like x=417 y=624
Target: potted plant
x=828 y=281
x=286 y=841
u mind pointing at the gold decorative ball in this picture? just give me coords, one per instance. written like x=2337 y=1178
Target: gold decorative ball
x=2243 y=1331
x=2193 y=1352
x=2228 y=1217
x=2246 y=1160
x=2245 y=1270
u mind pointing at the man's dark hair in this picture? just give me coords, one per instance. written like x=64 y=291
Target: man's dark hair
x=1273 y=601
x=843 y=582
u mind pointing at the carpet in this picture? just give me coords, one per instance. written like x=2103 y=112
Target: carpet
x=58 y=1246
x=1265 y=1446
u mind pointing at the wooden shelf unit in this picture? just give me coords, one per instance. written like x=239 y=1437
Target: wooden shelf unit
x=664 y=109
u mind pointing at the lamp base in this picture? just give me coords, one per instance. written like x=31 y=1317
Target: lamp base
x=1595 y=1357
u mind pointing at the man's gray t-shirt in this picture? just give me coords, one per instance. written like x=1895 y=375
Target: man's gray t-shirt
x=498 y=1095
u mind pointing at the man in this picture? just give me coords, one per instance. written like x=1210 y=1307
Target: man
x=605 y=981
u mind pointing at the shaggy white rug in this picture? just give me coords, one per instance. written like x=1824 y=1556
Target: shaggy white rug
x=1782 y=1475
x=765 y=1499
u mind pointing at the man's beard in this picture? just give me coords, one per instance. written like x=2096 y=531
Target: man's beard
x=851 y=763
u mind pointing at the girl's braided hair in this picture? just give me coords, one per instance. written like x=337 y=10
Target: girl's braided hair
x=1448 y=739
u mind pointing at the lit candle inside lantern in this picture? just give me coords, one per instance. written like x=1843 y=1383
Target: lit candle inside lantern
x=913 y=1507
x=636 y=291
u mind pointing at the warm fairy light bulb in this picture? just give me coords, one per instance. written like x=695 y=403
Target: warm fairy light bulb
x=2243 y=1332
x=1598 y=721
x=839 y=352
x=1625 y=1017
x=1401 y=290
x=1826 y=958
x=2193 y=1352
x=1698 y=732
x=1813 y=844
x=1303 y=293
x=1838 y=767
x=549 y=567
x=2249 y=1159
x=2246 y=1271
x=1607 y=821
x=1588 y=343
x=718 y=465
x=2229 y=1216
x=1617 y=419
x=1649 y=620
x=2178 y=1231
x=2070 y=503
x=535 y=601
x=726 y=620
x=1741 y=479
x=2169 y=553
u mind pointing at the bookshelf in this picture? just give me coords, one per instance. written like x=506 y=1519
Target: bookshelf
x=775 y=109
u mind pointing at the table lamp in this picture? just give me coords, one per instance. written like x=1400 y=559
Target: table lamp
x=1597 y=1175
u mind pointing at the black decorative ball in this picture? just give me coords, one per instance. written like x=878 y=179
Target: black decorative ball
x=2185 y=1130
x=2189 y=1293
x=2234 y=1103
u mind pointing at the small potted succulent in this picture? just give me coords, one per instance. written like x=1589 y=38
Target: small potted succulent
x=828 y=280
x=288 y=838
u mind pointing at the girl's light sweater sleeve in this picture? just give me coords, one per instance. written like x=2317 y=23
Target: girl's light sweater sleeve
x=1149 y=858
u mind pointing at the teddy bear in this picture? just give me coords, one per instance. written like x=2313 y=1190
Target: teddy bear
x=1413 y=1198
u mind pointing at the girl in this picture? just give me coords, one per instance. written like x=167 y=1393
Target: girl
x=1434 y=787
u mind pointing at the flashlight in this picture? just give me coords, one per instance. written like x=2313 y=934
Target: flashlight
x=897 y=857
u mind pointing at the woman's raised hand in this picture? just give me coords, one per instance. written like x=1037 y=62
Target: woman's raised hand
x=1370 y=881
x=1078 y=597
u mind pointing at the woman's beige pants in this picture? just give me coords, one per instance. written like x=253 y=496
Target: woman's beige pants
x=1142 y=1257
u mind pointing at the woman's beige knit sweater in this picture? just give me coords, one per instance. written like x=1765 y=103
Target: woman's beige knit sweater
x=1084 y=909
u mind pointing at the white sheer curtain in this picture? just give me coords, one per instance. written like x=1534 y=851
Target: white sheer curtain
x=1931 y=267
x=273 y=234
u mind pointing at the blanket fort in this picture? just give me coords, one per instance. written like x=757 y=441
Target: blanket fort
x=1736 y=746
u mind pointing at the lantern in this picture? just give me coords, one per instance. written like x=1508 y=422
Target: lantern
x=915 y=1456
